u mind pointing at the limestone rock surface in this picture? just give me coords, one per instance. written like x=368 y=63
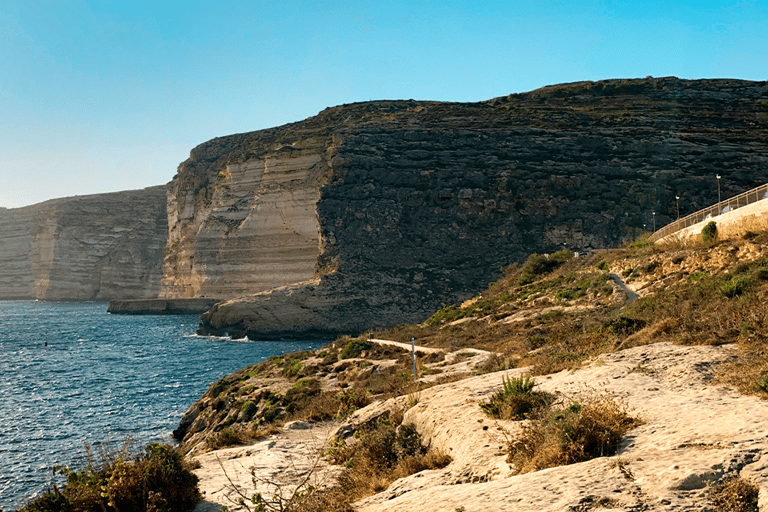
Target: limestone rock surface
x=694 y=434
x=94 y=247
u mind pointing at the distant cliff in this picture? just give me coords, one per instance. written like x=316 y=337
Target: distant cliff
x=94 y=247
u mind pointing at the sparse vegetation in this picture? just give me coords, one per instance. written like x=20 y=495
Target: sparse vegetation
x=354 y=348
x=157 y=479
x=380 y=454
x=547 y=318
x=566 y=434
x=735 y=494
x=539 y=265
x=516 y=400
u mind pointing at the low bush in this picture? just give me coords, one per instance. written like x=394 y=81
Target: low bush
x=516 y=399
x=762 y=382
x=354 y=348
x=735 y=495
x=380 y=454
x=155 y=480
x=248 y=410
x=709 y=232
x=735 y=287
x=563 y=435
x=445 y=315
x=538 y=265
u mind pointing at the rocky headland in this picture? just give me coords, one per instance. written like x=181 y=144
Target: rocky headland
x=379 y=213
x=85 y=248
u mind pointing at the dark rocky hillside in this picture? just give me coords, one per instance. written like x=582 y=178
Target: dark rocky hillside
x=421 y=201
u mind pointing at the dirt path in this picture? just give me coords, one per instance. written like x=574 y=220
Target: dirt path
x=631 y=296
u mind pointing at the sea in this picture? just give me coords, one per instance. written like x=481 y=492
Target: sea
x=73 y=375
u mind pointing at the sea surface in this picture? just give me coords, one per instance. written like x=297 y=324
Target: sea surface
x=70 y=374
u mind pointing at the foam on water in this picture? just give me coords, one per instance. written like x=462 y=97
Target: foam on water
x=71 y=373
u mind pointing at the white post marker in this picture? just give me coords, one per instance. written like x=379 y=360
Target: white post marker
x=413 y=357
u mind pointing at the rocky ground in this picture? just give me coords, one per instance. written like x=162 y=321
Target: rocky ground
x=693 y=434
x=678 y=361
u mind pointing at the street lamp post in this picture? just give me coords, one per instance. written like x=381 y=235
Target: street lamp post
x=678 y=206
x=718 y=193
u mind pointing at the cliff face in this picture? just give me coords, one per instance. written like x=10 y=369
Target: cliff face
x=418 y=202
x=95 y=247
x=257 y=230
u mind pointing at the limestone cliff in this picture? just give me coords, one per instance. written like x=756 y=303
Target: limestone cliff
x=408 y=205
x=94 y=247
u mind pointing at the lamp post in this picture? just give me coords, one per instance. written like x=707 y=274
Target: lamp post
x=654 y=220
x=718 y=193
x=678 y=206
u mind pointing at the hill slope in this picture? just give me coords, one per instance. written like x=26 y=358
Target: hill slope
x=687 y=358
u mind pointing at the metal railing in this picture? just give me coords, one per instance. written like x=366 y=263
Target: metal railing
x=749 y=197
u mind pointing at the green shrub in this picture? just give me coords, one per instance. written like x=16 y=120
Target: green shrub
x=538 y=265
x=575 y=292
x=354 y=348
x=516 y=399
x=735 y=287
x=623 y=325
x=444 y=315
x=762 y=382
x=641 y=242
x=602 y=265
x=709 y=232
x=156 y=480
x=248 y=410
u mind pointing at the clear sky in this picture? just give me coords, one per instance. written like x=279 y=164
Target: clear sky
x=100 y=96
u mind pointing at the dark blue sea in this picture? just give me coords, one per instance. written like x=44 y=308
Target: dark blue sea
x=70 y=373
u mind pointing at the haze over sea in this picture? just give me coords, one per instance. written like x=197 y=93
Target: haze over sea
x=99 y=378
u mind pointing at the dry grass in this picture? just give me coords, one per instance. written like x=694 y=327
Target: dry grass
x=566 y=434
x=379 y=455
x=735 y=495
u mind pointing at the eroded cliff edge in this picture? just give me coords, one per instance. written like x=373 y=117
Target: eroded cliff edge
x=381 y=212
x=94 y=247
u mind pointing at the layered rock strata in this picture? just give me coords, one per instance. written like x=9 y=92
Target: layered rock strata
x=415 y=204
x=94 y=247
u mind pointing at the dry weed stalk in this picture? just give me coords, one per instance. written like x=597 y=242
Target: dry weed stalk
x=290 y=491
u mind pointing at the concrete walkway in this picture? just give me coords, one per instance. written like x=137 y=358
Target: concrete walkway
x=407 y=346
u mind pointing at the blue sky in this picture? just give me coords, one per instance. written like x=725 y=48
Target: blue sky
x=100 y=96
